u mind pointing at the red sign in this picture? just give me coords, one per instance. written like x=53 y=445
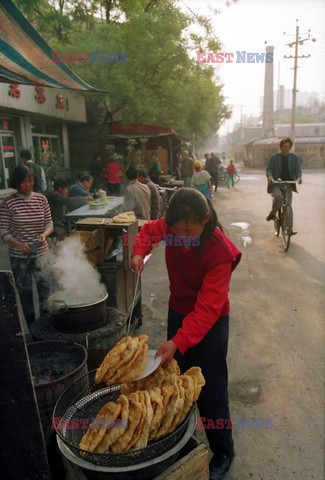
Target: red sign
x=60 y=101
x=40 y=97
x=14 y=90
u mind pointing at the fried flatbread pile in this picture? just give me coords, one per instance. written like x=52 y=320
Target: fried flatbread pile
x=125 y=217
x=124 y=362
x=147 y=410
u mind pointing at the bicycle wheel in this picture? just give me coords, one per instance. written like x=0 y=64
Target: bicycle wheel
x=236 y=178
x=287 y=221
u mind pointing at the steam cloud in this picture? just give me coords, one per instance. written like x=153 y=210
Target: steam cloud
x=72 y=278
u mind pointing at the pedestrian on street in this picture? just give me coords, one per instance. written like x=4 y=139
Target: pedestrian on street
x=201 y=180
x=40 y=184
x=284 y=165
x=25 y=224
x=199 y=270
x=187 y=168
x=212 y=166
x=231 y=171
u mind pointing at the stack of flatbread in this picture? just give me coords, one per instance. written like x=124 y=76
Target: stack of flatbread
x=125 y=362
x=149 y=414
x=125 y=217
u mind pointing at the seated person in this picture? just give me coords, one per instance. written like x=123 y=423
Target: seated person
x=137 y=197
x=81 y=187
x=59 y=202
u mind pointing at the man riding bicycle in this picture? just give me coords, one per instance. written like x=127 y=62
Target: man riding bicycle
x=284 y=166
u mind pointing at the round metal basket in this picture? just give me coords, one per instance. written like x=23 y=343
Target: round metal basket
x=80 y=404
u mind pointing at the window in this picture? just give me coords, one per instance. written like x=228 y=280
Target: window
x=47 y=143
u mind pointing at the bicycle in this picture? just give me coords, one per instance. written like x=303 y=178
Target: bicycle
x=222 y=177
x=284 y=217
x=165 y=193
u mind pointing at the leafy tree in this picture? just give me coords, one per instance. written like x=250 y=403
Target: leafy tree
x=161 y=82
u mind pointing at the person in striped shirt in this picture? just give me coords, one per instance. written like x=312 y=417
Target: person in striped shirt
x=25 y=224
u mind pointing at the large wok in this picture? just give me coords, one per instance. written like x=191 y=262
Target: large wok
x=71 y=318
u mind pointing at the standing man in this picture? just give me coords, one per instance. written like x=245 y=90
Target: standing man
x=40 y=185
x=286 y=166
x=97 y=171
x=137 y=197
x=155 y=197
x=212 y=166
x=187 y=169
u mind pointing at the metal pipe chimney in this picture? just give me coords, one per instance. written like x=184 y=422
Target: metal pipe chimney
x=268 y=116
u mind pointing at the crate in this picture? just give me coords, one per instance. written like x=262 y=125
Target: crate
x=89 y=238
x=94 y=256
x=193 y=463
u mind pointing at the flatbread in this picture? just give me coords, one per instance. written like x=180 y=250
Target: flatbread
x=135 y=415
x=98 y=429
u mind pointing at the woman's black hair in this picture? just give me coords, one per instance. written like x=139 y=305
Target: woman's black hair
x=18 y=175
x=190 y=204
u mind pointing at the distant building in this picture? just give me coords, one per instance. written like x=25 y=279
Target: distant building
x=309 y=145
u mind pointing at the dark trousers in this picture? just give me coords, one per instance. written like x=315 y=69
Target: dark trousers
x=210 y=354
x=214 y=180
x=24 y=269
x=114 y=189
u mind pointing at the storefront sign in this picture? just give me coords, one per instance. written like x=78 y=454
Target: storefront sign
x=40 y=97
x=14 y=90
x=60 y=101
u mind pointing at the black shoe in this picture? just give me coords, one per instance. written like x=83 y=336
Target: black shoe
x=294 y=232
x=270 y=216
x=219 y=466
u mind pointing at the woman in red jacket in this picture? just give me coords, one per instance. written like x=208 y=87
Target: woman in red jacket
x=200 y=260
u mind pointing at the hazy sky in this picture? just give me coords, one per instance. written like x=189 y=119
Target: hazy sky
x=246 y=26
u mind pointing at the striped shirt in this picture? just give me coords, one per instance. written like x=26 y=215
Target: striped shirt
x=25 y=218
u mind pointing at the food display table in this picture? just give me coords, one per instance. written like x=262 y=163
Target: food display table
x=86 y=211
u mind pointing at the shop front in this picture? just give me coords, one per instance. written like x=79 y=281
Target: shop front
x=37 y=118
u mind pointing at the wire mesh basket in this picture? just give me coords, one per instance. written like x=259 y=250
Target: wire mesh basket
x=79 y=405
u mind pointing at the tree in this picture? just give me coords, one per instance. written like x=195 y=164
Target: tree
x=160 y=83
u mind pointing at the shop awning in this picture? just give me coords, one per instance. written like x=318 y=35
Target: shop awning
x=138 y=130
x=26 y=58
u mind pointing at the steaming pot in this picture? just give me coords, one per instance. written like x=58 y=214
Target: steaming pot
x=82 y=318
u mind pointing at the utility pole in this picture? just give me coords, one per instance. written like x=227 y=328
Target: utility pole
x=298 y=41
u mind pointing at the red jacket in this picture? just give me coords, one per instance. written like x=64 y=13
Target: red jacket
x=199 y=278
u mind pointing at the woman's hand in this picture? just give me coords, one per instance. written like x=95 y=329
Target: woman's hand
x=21 y=245
x=167 y=351
x=137 y=264
x=41 y=239
x=25 y=248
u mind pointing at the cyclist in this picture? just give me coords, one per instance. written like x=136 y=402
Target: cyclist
x=286 y=166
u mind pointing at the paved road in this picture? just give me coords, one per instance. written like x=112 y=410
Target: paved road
x=276 y=353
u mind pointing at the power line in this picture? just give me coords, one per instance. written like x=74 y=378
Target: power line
x=296 y=43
